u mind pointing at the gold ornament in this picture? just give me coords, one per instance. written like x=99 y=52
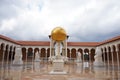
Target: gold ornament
x=58 y=34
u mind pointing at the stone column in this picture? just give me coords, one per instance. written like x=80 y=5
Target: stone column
x=50 y=47
x=11 y=55
x=26 y=54
x=112 y=57
x=117 y=51
x=66 y=47
x=8 y=53
x=107 y=51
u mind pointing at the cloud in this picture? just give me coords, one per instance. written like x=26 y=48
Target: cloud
x=83 y=20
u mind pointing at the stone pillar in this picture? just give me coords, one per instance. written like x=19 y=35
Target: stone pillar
x=117 y=51
x=8 y=53
x=107 y=51
x=26 y=54
x=112 y=56
x=66 y=47
x=104 y=56
x=11 y=55
x=98 y=57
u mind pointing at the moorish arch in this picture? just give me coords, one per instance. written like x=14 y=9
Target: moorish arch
x=68 y=53
x=43 y=53
x=73 y=53
x=81 y=52
x=92 y=53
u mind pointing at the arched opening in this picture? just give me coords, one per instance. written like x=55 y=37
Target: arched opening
x=30 y=54
x=119 y=52
x=114 y=53
x=102 y=54
x=86 y=54
x=6 y=52
x=81 y=51
x=68 y=52
x=10 y=54
x=105 y=54
x=24 y=53
x=92 y=54
x=36 y=50
x=109 y=53
x=73 y=53
x=1 y=51
x=48 y=52
x=43 y=53
x=14 y=52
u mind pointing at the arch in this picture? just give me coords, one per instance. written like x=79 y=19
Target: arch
x=35 y=50
x=43 y=53
x=86 y=50
x=81 y=51
x=30 y=54
x=114 y=53
x=68 y=52
x=6 y=52
x=102 y=54
x=14 y=51
x=2 y=45
x=118 y=46
x=109 y=52
x=92 y=53
x=105 y=53
x=86 y=54
x=23 y=53
x=10 y=53
x=48 y=52
x=73 y=53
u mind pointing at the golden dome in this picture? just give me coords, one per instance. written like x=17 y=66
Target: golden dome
x=58 y=34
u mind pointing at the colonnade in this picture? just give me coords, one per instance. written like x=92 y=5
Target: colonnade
x=110 y=53
x=7 y=51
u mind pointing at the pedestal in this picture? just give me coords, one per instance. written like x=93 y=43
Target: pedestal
x=58 y=67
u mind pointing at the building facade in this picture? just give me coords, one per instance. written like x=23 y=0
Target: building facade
x=110 y=49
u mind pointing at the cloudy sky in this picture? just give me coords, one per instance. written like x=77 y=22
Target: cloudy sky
x=83 y=20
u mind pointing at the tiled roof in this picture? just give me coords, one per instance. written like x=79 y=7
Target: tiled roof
x=8 y=39
x=47 y=43
x=83 y=43
x=110 y=40
x=34 y=43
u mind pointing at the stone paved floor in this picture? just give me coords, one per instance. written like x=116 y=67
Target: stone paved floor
x=41 y=71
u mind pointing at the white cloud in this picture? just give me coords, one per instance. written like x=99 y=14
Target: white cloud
x=34 y=19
